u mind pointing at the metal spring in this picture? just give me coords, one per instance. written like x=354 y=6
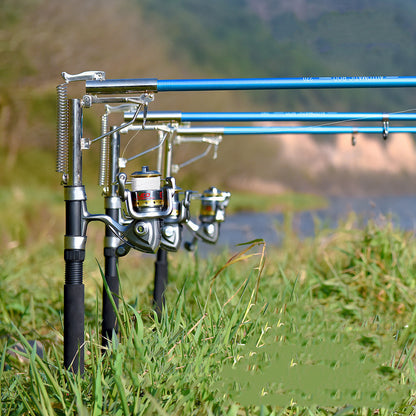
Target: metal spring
x=103 y=178
x=62 y=128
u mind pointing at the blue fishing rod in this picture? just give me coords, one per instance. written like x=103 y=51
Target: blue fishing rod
x=254 y=130
x=128 y=86
x=188 y=133
x=185 y=117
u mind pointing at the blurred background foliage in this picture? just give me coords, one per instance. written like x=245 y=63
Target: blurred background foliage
x=195 y=39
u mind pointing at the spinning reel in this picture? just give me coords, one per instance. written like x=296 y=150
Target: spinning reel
x=145 y=205
x=213 y=201
x=212 y=214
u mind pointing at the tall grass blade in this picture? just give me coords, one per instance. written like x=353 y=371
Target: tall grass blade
x=159 y=409
x=75 y=383
x=116 y=365
x=44 y=397
x=98 y=393
x=57 y=389
x=2 y=362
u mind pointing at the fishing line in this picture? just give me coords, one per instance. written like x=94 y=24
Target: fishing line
x=360 y=118
x=125 y=147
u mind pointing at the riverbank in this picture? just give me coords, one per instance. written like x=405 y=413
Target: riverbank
x=337 y=310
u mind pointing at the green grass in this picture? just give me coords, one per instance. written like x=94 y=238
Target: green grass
x=240 y=335
x=227 y=321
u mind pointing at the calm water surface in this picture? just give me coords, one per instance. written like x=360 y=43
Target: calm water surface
x=243 y=227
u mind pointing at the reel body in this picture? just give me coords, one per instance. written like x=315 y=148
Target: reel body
x=212 y=213
x=146 y=204
x=213 y=204
x=171 y=232
x=173 y=224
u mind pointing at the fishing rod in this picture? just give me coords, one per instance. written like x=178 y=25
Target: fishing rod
x=128 y=86
x=184 y=117
x=278 y=130
x=186 y=133
x=254 y=130
x=212 y=210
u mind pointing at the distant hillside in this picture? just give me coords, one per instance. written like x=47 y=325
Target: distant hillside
x=307 y=10
x=273 y=38
x=41 y=38
x=200 y=39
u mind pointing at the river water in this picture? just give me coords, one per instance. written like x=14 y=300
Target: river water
x=243 y=227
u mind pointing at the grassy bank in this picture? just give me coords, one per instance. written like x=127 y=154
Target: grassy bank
x=316 y=327
x=227 y=322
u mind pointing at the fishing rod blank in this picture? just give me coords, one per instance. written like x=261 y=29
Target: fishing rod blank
x=127 y=86
x=184 y=117
x=292 y=130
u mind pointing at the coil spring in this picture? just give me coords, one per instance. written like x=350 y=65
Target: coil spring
x=62 y=128
x=103 y=178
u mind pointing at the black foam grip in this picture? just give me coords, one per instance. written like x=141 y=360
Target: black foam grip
x=160 y=281
x=109 y=314
x=74 y=327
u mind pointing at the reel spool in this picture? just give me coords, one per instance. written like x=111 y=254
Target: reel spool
x=146 y=193
x=147 y=199
x=213 y=204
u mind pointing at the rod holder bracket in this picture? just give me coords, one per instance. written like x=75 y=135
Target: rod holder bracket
x=75 y=242
x=84 y=76
x=85 y=143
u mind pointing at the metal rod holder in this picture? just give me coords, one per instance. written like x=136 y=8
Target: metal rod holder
x=142 y=216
